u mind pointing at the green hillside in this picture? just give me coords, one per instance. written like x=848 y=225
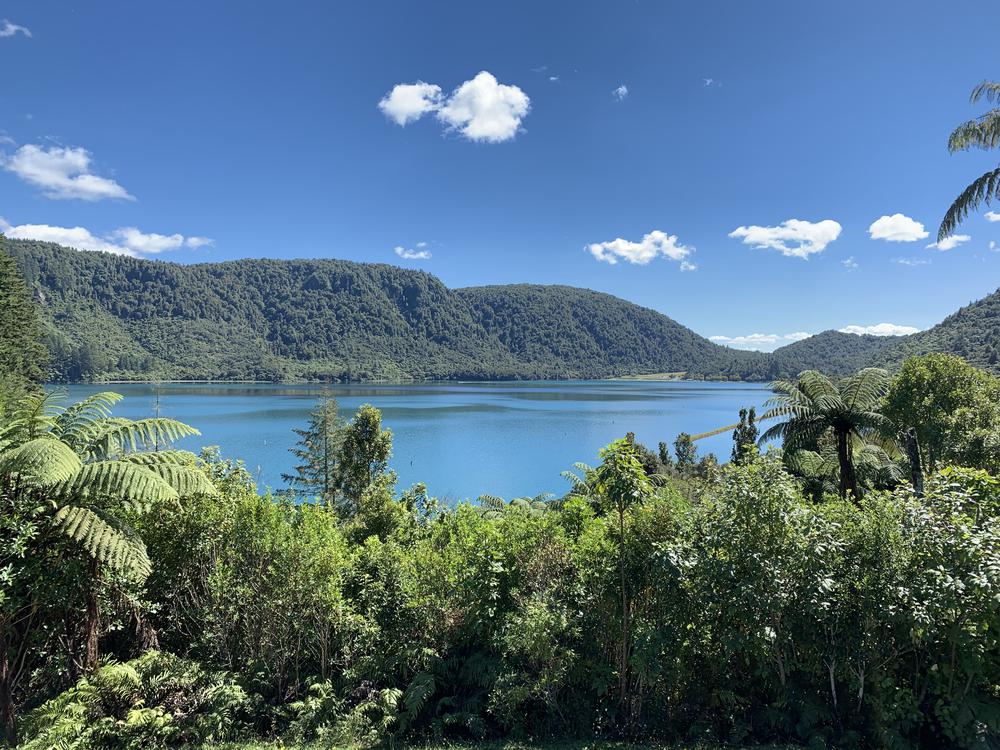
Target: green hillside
x=110 y=317
x=973 y=332
x=114 y=317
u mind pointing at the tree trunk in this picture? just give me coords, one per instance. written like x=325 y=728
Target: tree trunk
x=916 y=470
x=92 y=624
x=7 y=698
x=848 y=479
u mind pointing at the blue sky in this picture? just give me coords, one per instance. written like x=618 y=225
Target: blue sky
x=548 y=140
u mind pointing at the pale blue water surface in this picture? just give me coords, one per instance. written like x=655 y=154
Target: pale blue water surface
x=462 y=439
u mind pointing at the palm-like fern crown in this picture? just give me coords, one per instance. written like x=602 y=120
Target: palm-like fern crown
x=814 y=403
x=91 y=470
x=982 y=132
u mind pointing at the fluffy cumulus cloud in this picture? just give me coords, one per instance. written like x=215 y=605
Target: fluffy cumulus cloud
x=793 y=238
x=950 y=242
x=880 y=329
x=406 y=253
x=480 y=109
x=123 y=241
x=897 y=228
x=764 y=342
x=8 y=29
x=408 y=102
x=62 y=173
x=620 y=93
x=653 y=245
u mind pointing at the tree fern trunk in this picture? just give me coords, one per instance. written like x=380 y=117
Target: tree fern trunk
x=916 y=470
x=7 y=697
x=848 y=478
x=92 y=625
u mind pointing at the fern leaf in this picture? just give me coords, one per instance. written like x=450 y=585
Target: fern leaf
x=105 y=538
x=43 y=461
x=125 y=436
x=135 y=487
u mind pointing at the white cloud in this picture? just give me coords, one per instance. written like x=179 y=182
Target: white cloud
x=880 y=329
x=897 y=228
x=554 y=79
x=992 y=216
x=408 y=102
x=62 y=173
x=763 y=342
x=793 y=238
x=640 y=253
x=849 y=263
x=911 y=261
x=122 y=241
x=950 y=242
x=687 y=265
x=620 y=93
x=10 y=29
x=481 y=109
x=408 y=254
x=484 y=110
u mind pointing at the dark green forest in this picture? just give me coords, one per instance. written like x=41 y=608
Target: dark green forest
x=108 y=317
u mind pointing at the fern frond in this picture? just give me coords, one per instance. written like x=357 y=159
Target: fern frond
x=988 y=90
x=186 y=481
x=80 y=419
x=155 y=458
x=42 y=461
x=33 y=418
x=125 y=436
x=982 y=190
x=104 y=538
x=134 y=486
x=983 y=132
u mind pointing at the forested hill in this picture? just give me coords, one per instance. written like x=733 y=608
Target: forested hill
x=111 y=317
x=115 y=317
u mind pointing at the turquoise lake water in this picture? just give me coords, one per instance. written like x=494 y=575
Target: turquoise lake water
x=461 y=439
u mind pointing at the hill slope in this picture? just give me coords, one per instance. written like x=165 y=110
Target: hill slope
x=115 y=317
x=973 y=332
x=112 y=317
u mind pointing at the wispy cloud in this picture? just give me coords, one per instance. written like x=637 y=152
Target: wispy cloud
x=950 y=242
x=763 y=342
x=8 y=29
x=653 y=245
x=911 y=261
x=881 y=329
x=62 y=173
x=849 y=263
x=992 y=216
x=897 y=228
x=410 y=254
x=122 y=241
x=480 y=109
x=794 y=238
x=620 y=93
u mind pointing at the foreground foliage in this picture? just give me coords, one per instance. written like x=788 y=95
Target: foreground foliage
x=663 y=599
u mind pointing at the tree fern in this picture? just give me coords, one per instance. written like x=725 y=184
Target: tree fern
x=105 y=539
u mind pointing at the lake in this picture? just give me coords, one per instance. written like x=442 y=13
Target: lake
x=462 y=439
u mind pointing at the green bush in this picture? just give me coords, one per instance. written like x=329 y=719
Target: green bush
x=155 y=701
